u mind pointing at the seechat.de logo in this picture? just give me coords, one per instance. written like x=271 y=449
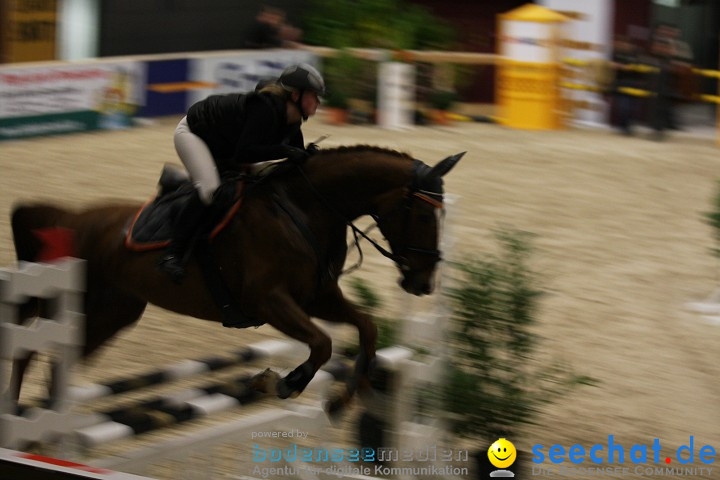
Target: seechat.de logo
x=615 y=459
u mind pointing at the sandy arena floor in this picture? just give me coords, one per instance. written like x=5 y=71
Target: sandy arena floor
x=621 y=247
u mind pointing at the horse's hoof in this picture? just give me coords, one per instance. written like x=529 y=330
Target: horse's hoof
x=265 y=381
x=367 y=394
x=333 y=408
x=284 y=391
x=372 y=366
x=337 y=404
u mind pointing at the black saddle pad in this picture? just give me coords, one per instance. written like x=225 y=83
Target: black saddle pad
x=154 y=224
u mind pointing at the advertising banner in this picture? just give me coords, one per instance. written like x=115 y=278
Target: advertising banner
x=240 y=72
x=44 y=100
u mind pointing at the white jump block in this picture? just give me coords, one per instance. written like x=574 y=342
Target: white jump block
x=102 y=433
x=276 y=348
x=41 y=337
x=391 y=357
x=41 y=280
x=36 y=426
x=706 y=308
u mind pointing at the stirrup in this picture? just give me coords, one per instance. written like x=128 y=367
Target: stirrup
x=171 y=264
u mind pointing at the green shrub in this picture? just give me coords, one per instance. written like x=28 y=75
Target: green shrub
x=370 y=303
x=492 y=388
x=348 y=77
x=442 y=99
x=389 y=24
x=713 y=219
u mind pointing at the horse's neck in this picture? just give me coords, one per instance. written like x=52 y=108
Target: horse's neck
x=356 y=184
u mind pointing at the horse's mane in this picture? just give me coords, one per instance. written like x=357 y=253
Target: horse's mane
x=364 y=148
x=287 y=170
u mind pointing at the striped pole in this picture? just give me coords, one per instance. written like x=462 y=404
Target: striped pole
x=184 y=369
x=160 y=412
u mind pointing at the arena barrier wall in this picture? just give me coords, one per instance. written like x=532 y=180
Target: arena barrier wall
x=26 y=466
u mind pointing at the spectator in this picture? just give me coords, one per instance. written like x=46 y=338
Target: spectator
x=661 y=112
x=625 y=105
x=683 y=80
x=270 y=30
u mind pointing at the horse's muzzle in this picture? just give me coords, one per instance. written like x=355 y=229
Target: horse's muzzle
x=416 y=286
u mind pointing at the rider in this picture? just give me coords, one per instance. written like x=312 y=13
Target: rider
x=223 y=132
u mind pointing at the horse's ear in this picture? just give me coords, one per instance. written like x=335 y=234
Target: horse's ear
x=445 y=165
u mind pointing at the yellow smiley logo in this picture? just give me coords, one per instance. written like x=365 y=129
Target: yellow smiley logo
x=502 y=453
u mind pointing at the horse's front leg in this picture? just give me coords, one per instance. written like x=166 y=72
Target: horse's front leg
x=283 y=313
x=334 y=307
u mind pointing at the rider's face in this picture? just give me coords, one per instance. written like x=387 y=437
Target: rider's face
x=310 y=102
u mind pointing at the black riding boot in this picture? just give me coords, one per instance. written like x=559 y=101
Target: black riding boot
x=186 y=226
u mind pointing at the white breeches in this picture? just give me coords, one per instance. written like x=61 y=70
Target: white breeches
x=198 y=161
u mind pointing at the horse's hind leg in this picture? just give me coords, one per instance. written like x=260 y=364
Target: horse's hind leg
x=280 y=311
x=32 y=308
x=19 y=367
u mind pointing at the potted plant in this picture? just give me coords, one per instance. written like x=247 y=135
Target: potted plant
x=397 y=26
x=441 y=101
x=336 y=107
x=341 y=73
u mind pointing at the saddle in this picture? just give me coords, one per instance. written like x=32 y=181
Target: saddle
x=153 y=226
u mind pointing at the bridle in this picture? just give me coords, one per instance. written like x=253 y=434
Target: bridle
x=405 y=246
x=416 y=191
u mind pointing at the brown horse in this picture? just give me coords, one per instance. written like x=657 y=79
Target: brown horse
x=279 y=256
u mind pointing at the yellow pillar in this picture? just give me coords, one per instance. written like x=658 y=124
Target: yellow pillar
x=528 y=73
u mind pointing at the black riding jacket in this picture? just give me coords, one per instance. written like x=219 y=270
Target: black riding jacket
x=244 y=128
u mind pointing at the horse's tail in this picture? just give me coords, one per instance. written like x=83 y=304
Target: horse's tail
x=27 y=221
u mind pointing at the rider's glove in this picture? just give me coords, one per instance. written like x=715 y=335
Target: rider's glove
x=297 y=155
x=312 y=148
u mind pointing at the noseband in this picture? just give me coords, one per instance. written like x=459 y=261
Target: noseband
x=434 y=199
x=419 y=189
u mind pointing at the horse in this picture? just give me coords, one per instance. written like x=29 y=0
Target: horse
x=279 y=257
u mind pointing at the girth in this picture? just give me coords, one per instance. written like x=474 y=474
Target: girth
x=325 y=269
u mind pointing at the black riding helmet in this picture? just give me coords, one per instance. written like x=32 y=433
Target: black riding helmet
x=302 y=77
